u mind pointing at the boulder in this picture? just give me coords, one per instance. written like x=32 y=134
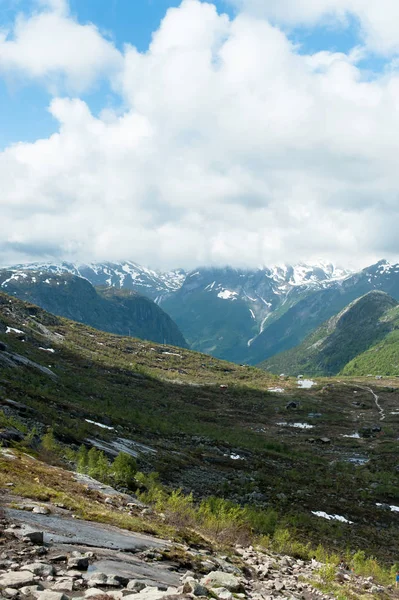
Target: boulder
x=39 y=568
x=16 y=579
x=222 y=593
x=78 y=562
x=192 y=586
x=64 y=584
x=49 y=595
x=219 y=579
x=10 y=593
x=30 y=590
x=36 y=537
x=41 y=510
x=135 y=586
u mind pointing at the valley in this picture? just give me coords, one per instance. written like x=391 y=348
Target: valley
x=210 y=427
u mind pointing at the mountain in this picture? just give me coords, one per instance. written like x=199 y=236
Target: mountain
x=343 y=337
x=224 y=311
x=118 y=311
x=241 y=315
x=121 y=275
x=308 y=313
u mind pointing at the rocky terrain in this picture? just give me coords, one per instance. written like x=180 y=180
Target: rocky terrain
x=42 y=557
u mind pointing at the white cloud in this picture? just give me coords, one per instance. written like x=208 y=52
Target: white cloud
x=378 y=20
x=50 y=45
x=233 y=149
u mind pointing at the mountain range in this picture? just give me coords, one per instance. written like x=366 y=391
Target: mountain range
x=327 y=350
x=120 y=311
x=244 y=316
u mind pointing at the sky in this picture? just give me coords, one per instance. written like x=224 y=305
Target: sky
x=178 y=133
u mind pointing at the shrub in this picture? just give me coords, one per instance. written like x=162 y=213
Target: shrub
x=124 y=468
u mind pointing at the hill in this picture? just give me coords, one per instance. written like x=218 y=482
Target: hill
x=118 y=311
x=206 y=426
x=331 y=346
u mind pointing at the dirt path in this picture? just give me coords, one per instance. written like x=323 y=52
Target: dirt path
x=377 y=403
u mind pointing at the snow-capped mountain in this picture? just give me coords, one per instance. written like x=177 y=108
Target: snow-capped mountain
x=62 y=293
x=122 y=275
x=243 y=315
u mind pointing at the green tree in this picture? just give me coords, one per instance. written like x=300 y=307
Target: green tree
x=124 y=468
x=82 y=461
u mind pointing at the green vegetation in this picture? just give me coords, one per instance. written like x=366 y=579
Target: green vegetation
x=109 y=309
x=228 y=443
x=327 y=350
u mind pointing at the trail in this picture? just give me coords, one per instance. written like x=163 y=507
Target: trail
x=376 y=400
x=377 y=403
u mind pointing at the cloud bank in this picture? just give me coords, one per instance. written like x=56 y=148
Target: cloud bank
x=233 y=147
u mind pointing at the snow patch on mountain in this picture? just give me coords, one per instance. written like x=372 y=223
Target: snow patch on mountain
x=227 y=295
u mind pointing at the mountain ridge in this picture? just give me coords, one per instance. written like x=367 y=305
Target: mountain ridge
x=328 y=349
x=124 y=312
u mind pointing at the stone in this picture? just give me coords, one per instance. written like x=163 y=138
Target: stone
x=49 y=595
x=216 y=579
x=36 y=537
x=64 y=584
x=135 y=586
x=97 y=579
x=117 y=581
x=39 y=568
x=58 y=558
x=16 y=579
x=222 y=593
x=192 y=586
x=30 y=590
x=41 y=510
x=93 y=592
x=78 y=562
x=10 y=593
x=279 y=586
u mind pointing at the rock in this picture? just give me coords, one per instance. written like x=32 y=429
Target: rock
x=93 y=592
x=135 y=586
x=36 y=537
x=30 y=590
x=218 y=579
x=39 y=568
x=222 y=593
x=279 y=586
x=41 y=510
x=291 y=405
x=49 y=595
x=10 y=593
x=97 y=579
x=17 y=579
x=117 y=581
x=64 y=584
x=192 y=586
x=78 y=562
x=58 y=558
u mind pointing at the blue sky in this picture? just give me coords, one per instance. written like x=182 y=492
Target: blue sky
x=24 y=104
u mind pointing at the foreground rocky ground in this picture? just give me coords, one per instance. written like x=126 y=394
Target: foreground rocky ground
x=57 y=561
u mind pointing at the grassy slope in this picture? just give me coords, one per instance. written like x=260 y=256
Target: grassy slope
x=327 y=350
x=174 y=403
x=123 y=312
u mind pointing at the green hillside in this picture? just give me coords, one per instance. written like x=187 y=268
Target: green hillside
x=207 y=426
x=124 y=312
x=329 y=348
x=382 y=358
